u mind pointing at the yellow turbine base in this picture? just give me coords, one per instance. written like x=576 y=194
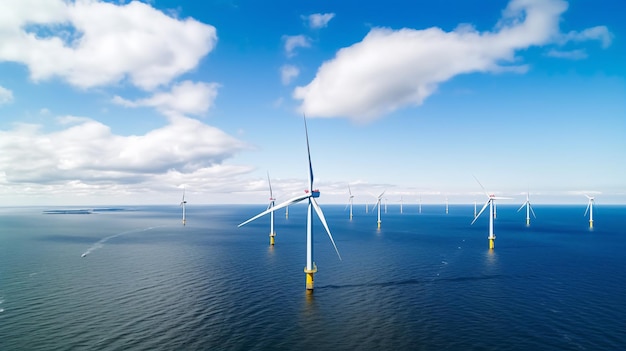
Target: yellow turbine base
x=184 y=221
x=590 y=224
x=309 y=277
x=272 y=238
x=528 y=221
x=492 y=243
x=378 y=225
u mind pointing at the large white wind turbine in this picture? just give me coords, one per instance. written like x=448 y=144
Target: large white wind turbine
x=310 y=194
x=350 y=200
x=590 y=209
x=183 y=203
x=491 y=203
x=378 y=199
x=529 y=209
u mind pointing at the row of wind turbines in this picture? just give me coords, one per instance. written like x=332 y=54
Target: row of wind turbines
x=311 y=194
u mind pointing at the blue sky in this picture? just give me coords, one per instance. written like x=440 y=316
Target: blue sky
x=128 y=102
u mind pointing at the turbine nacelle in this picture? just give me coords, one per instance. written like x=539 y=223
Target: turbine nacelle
x=314 y=193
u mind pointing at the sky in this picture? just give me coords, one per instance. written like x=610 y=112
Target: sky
x=129 y=102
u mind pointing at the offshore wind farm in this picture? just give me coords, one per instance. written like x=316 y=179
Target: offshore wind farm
x=112 y=109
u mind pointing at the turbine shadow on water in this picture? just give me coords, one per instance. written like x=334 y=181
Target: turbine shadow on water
x=416 y=282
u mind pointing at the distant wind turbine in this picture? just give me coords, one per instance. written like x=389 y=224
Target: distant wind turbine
x=420 y=204
x=491 y=203
x=474 y=208
x=310 y=194
x=350 y=200
x=401 y=202
x=446 y=205
x=590 y=209
x=270 y=205
x=182 y=204
x=378 y=199
x=529 y=209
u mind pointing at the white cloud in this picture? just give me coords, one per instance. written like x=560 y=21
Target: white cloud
x=288 y=73
x=184 y=98
x=6 y=95
x=295 y=41
x=391 y=69
x=94 y=43
x=86 y=151
x=320 y=20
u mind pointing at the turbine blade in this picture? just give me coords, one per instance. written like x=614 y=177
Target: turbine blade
x=588 y=205
x=481 y=211
x=349 y=190
x=531 y=210
x=277 y=207
x=308 y=150
x=501 y=198
x=486 y=193
x=270 y=183
x=381 y=194
x=320 y=215
x=524 y=204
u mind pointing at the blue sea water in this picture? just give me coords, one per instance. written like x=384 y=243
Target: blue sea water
x=421 y=282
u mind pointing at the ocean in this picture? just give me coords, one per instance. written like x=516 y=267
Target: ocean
x=421 y=282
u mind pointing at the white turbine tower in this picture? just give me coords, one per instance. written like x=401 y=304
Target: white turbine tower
x=350 y=199
x=378 y=199
x=446 y=205
x=590 y=209
x=310 y=194
x=401 y=203
x=474 y=208
x=182 y=204
x=529 y=209
x=491 y=203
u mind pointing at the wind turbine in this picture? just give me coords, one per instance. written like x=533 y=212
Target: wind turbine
x=491 y=203
x=270 y=205
x=350 y=201
x=420 y=207
x=590 y=209
x=446 y=205
x=310 y=194
x=378 y=205
x=529 y=209
x=182 y=203
x=401 y=202
x=474 y=208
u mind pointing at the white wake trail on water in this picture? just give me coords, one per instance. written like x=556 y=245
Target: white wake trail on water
x=100 y=243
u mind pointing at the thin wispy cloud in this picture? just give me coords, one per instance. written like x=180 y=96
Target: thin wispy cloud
x=570 y=55
x=319 y=20
x=288 y=73
x=187 y=98
x=6 y=95
x=292 y=42
x=96 y=43
x=391 y=69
